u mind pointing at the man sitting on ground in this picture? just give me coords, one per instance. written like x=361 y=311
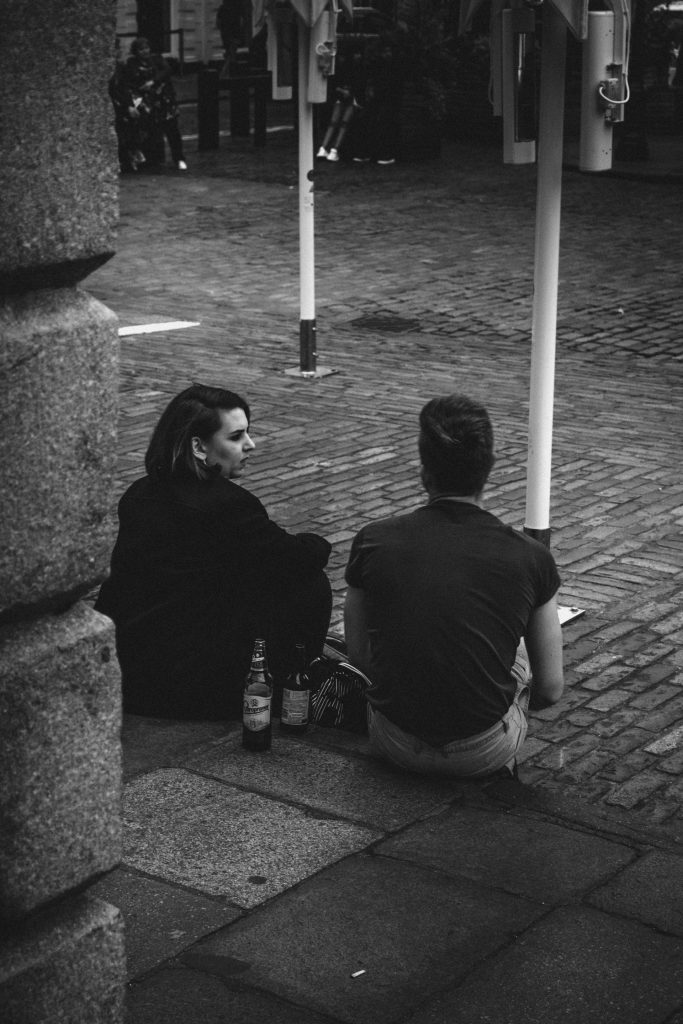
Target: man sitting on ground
x=443 y=605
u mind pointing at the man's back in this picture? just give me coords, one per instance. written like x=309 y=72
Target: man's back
x=448 y=591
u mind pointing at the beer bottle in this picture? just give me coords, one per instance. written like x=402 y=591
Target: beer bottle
x=296 y=695
x=257 y=697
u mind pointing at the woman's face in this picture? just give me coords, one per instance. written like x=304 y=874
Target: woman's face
x=230 y=446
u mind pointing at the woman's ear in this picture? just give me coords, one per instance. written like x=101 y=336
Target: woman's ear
x=198 y=449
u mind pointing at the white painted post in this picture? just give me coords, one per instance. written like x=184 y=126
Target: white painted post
x=306 y=212
x=546 y=273
x=595 y=145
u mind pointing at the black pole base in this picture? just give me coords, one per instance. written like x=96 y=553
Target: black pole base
x=542 y=535
x=308 y=367
x=307 y=350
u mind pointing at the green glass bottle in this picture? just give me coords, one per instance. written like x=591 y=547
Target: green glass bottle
x=296 y=696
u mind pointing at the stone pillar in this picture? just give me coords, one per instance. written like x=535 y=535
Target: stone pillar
x=61 y=952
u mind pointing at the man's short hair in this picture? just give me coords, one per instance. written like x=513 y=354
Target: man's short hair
x=456 y=444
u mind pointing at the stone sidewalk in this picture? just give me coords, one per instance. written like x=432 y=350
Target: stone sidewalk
x=262 y=885
x=312 y=885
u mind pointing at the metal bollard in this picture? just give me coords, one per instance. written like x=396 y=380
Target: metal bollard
x=239 y=106
x=207 y=109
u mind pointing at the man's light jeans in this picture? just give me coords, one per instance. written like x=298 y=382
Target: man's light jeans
x=472 y=758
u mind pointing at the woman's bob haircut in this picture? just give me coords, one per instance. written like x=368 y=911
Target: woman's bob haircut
x=195 y=412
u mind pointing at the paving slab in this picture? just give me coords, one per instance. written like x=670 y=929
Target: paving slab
x=577 y=965
x=179 y=995
x=215 y=839
x=577 y=809
x=411 y=930
x=360 y=789
x=650 y=890
x=150 y=743
x=160 y=920
x=525 y=856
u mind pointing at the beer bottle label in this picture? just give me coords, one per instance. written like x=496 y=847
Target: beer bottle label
x=295 y=707
x=256 y=712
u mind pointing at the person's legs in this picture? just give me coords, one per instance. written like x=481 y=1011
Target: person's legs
x=360 y=131
x=387 y=135
x=335 y=119
x=125 y=148
x=346 y=119
x=298 y=614
x=175 y=142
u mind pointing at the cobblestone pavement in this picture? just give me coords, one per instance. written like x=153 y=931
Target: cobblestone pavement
x=423 y=285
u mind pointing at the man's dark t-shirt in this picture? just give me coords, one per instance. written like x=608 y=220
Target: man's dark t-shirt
x=449 y=590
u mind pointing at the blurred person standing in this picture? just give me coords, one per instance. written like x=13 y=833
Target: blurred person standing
x=127 y=117
x=230 y=22
x=148 y=78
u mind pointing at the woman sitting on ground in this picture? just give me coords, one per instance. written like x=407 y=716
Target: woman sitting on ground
x=199 y=570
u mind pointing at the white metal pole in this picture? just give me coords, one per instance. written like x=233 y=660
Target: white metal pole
x=595 y=143
x=546 y=273
x=306 y=211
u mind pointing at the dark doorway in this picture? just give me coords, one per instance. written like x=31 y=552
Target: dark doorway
x=154 y=23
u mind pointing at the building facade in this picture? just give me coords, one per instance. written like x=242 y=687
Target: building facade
x=182 y=29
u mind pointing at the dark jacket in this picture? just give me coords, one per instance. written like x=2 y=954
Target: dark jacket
x=151 y=80
x=195 y=572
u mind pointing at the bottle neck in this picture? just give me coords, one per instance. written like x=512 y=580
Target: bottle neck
x=258 y=671
x=259 y=662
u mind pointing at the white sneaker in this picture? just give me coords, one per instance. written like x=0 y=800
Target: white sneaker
x=321 y=154
x=385 y=163
x=333 y=155
x=181 y=165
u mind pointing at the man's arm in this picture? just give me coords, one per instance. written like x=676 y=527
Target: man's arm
x=544 y=646
x=356 y=630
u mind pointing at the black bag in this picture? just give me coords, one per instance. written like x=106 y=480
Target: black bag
x=338 y=695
